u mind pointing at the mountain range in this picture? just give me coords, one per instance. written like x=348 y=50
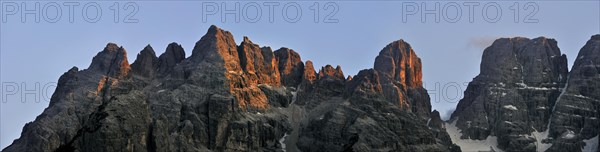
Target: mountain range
x=245 y=97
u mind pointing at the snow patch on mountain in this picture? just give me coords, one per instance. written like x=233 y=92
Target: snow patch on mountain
x=539 y=136
x=525 y=86
x=591 y=144
x=510 y=107
x=568 y=135
x=282 y=142
x=489 y=144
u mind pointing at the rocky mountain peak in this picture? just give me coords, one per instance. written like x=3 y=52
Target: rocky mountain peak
x=364 y=83
x=73 y=70
x=328 y=72
x=258 y=63
x=270 y=64
x=148 y=48
x=529 y=60
x=111 y=61
x=518 y=85
x=588 y=55
x=595 y=37
x=575 y=116
x=172 y=56
x=217 y=46
x=339 y=72
x=291 y=66
x=146 y=63
x=309 y=74
x=400 y=74
x=214 y=31
x=229 y=97
x=399 y=63
x=246 y=40
x=111 y=47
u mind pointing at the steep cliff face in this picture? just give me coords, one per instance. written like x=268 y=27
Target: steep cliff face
x=401 y=78
x=171 y=57
x=513 y=95
x=215 y=95
x=437 y=125
x=78 y=108
x=575 y=116
x=145 y=63
x=290 y=66
x=526 y=99
x=228 y=97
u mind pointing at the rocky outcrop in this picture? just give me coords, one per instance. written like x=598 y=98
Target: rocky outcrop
x=514 y=93
x=145 y=64
x=365 y=83
x=270 y=68
x=367 y=121
x=258 y=64
x=239 y=66
x=307 y=85
x=328 y=72
x=169 y=59
x=228 y=97
x=330 y=81
x=309 y=75
x=75 y=105
x=372 y=111
x=229 y=94
x=112 y=62
x=398 y=61
x=401 y=78
x=575 y=116
x=438 y=127
x=363 y=124
x=290 y=66
x=325 y=85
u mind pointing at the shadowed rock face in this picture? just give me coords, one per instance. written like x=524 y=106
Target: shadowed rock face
x=513 y=95
x=290 y=66
x=436 y=124
x=145 y=64
x=80 y=102
x=372 y=112
x=524 y=87
x=577 y=108
x=112 y=61
x=167 y=61
x=228 y=97
x=322 y=86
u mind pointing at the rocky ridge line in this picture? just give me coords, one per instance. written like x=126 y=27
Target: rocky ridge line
x=229 y=97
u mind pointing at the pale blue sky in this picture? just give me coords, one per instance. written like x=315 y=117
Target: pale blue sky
x=451 y=52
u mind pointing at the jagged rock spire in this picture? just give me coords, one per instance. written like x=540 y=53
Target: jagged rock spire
x=111 y=61
x=145 y=63
x=172 y=56
x=290 y=66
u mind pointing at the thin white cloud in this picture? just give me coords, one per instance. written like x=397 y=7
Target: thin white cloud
x=446 y=115
x=481 y=42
